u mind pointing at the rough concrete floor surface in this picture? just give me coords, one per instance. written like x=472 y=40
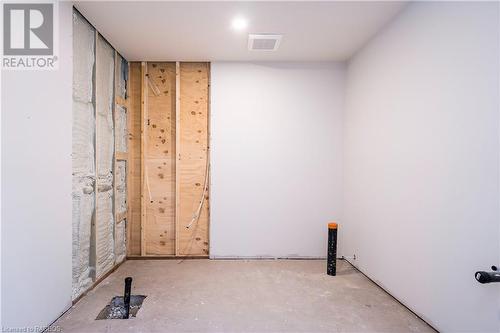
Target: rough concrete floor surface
x=243 y=296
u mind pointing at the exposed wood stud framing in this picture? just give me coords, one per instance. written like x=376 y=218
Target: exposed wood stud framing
x=134 y=162
x=143 y=147
x=115 y=91
x=177 y=151
x=174 y=156
x=129 y=162
x=121 y=216
x=118 y=99
x=121 y=156
x=94 y=238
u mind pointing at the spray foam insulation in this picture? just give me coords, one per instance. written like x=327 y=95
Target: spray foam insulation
x=120 y=247
x=105 y=257
x=83 y=62
x=121 y=128
x=104 y=104
x=120 y=207
x=121 y=186
x=83 y=139
x=83 y=209
x=83 y=162
x=122 y=77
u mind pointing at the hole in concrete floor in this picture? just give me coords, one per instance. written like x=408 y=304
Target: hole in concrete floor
x=116 y=309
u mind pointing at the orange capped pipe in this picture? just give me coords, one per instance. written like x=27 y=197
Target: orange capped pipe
x=331 y=261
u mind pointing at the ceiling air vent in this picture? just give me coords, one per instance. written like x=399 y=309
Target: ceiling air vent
x=263 y=42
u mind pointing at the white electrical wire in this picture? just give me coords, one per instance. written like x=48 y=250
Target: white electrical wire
x=196 y=215
x=153 y=86
x=147 y=182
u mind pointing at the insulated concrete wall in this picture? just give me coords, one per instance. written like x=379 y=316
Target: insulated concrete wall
x=36 y=188
x=276 y=149
x=422 y=160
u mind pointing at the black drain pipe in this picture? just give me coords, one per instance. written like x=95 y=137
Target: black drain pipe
x=331 y=261
x=126 y=297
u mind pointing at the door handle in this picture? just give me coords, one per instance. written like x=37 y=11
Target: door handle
x=488 y=277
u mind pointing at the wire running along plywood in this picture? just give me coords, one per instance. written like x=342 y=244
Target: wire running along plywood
x=192 y=163
x=174 y=165
x=159 y=159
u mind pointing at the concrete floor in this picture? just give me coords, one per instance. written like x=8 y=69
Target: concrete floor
x=244 y=296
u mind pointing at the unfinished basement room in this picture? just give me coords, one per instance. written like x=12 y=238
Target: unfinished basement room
x=250 y=166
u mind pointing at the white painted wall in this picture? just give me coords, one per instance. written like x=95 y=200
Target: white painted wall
x=36 y=189
x=276 y=152
x=422 y=162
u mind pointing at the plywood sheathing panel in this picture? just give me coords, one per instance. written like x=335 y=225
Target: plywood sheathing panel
x=134 y=166
x=83 y=162
x=192 y=159
x=159 y=160
x=105 y=257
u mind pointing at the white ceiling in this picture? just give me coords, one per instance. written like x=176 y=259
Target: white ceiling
x=201 y=31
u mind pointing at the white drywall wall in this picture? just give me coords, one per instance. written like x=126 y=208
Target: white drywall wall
x=422 y=162
x=36 y=188
x=276 y=148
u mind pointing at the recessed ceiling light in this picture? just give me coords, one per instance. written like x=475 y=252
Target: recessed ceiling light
x=239 y=23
